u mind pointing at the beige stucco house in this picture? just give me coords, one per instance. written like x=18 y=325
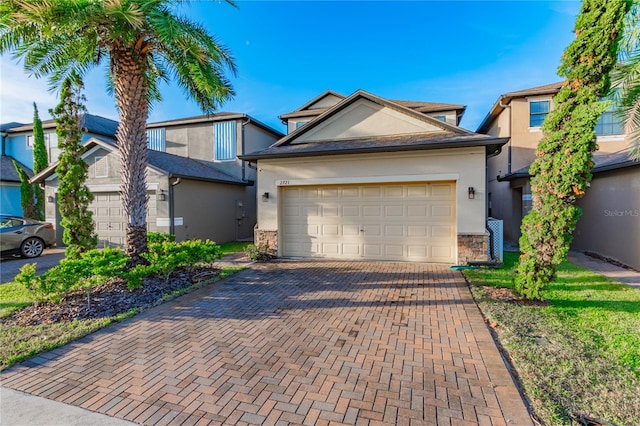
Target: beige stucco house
x=197 y=185
x=616 y=181
x=362 y=177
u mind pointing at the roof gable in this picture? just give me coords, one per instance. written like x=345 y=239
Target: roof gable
x=324 y=100
x=363 y=115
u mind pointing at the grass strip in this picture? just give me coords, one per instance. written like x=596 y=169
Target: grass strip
x=578 y=356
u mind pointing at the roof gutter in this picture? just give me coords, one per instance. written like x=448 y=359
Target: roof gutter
x=492 y=145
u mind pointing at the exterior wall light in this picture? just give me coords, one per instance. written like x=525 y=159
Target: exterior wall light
x=50 y=198
x=265 y=196
x=162 y=196
x=472 y=193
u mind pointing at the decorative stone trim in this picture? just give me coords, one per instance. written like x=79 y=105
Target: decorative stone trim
x=473 y=247
x=270 y=238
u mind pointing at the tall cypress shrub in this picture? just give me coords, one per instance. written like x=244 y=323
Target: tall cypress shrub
x=26 y=193
x=73 y=195
x=562 y=168
x=40 y=162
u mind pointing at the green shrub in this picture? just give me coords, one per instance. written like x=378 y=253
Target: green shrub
x=168 y=255
x=91 y=268
x=160 y=237
x=260 y=252
x=41 y=288
x=95 y=267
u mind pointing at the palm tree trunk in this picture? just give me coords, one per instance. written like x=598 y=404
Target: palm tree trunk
x=130 y=90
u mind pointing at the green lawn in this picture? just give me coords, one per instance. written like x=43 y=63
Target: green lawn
x=578 y=356
x=233 y=247
x=12 y=297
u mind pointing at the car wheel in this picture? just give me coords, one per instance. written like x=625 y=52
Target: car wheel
x=32 y=247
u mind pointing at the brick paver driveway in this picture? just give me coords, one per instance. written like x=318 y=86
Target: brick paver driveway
x=293 y=342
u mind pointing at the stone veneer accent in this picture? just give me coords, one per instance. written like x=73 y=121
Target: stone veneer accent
x=270 y=238
x=473 y=247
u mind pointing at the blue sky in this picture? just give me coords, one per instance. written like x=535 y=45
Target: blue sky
x=466 y=52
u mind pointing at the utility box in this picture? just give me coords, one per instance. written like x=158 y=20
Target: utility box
x=496 y=243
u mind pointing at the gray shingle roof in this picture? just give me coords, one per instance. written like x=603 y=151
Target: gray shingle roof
x=602 y=163
x=538 y=90
x=418 y=141
x=429 y=106
x=91 y=124
x=11 y=125
x=176 y=166
x=8 y=172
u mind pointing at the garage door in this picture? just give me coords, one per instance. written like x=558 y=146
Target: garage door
x=409 y=221
x=109 y=218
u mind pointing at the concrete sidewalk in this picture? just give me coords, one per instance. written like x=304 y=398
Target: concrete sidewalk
x=19 y=408
x=625 y=276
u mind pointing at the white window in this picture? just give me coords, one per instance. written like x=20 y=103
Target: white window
x=610 y=122
x=30 y=141
x=100 y=167
x=224 y=141
x=441 y=117
x=300 y=124
x=156 y=139
x=51 y=142
x=538 y=111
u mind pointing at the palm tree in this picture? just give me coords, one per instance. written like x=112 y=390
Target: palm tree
x=143 y=43
x=626 y=78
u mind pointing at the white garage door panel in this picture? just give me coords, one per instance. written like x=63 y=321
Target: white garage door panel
x=413 y=221
x=109 y=219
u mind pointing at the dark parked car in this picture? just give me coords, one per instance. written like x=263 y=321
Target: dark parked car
x=25 y=236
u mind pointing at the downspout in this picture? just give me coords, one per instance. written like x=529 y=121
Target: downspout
x=3 y=136
x=244 y=178
x=172 y=225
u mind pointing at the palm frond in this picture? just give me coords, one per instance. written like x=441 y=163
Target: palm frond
x=198 y=62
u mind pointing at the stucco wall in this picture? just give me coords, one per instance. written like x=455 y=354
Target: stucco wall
x=10 y=199
x=610 y=222
x=465 y=165
x=190 y=140
x=16 y=146
x=211 y=210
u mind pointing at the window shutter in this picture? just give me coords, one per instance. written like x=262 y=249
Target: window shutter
x=156 y=139
x=224 y=140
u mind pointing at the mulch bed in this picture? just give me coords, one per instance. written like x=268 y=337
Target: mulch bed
x=506 y=295
x=109 y=299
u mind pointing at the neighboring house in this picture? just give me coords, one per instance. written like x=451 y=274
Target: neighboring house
x=370 y=178
x=9 y=178
x=519 y=116
x=17 y=143
x=197 y=186
x=610 y=221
